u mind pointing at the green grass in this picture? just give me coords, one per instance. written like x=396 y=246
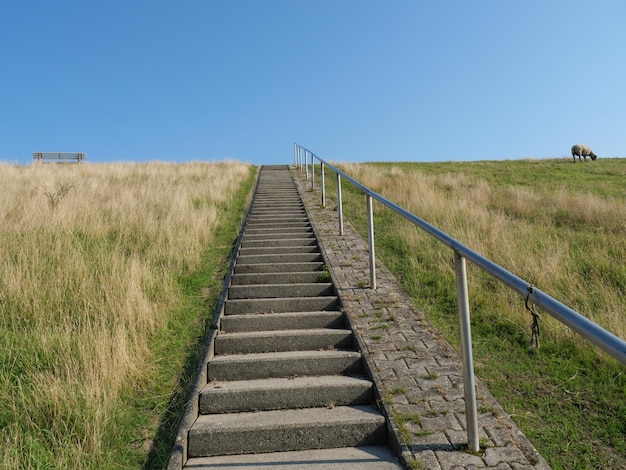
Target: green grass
x=105 y=298
x=568 y=398
x=604 y=177
x=186 y=333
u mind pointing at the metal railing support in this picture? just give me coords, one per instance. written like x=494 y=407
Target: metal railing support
x=370 y=232
x=312 y=172
x=469 y=387
x=323 y=186
x=339 y=205
x=306 y=163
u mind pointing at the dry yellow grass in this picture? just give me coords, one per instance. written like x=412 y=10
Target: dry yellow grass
x=569 y=244
x=557 y=225
x=90 y=255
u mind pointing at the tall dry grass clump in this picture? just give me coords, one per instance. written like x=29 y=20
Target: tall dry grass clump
x=567 y=243
x=90 y=257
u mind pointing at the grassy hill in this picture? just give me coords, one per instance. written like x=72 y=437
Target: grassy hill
x=557 y=224
x=109 y=275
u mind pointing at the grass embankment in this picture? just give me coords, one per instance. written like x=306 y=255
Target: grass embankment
x=556 y=224
x=108 y=278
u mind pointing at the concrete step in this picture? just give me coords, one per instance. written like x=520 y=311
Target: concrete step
x=286 y=258
x=278 y=225
x=275 y=220
x=284 y=225
x=282 y=321
x=279 y=278
x=278 y=267
x=286 y=199
x=278 y=212
x=250 y=342
x=286 y=430
x=269 y=188
x=264 y=291
x=245 y=251
x=295 y=222
x=275 y=236
x=284 y=393
x=287 y=203
x=344 y=458
x=284 y=364
x=275 y=189
x=281 y=215
x=286 y=242
x=283 y=198
x=278 y=232
x=278 y=305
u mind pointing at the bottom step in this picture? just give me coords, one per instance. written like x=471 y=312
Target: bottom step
x=346 y=458
x=274 y=431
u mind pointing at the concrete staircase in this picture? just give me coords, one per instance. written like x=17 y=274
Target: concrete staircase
x=286 y=386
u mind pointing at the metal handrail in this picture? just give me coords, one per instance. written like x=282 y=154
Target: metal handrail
x=603 y=339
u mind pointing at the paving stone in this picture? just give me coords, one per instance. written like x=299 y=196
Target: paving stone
x=458 y=460
x=441 y=423
x=458 y=438
x=493 y=456
x=517 y=466
x=439 y=405
x=428 y=459
x=500 y=436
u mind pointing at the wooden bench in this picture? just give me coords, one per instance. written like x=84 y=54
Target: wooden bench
x=59 y=157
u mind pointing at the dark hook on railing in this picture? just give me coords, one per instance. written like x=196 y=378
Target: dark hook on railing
x=534 y=327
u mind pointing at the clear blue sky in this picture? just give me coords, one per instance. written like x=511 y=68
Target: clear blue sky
x=353 y=80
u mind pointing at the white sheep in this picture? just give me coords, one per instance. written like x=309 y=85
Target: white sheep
x=580 y=150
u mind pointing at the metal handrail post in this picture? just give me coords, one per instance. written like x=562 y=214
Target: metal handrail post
x=370 y=231
x=306 y=163
x=312 y=171
x=323 y=186
x=295 y=152
x=339 y=204
x=300 y=158
x=471 y=415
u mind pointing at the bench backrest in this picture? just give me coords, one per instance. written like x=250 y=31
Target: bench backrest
x=59 y=157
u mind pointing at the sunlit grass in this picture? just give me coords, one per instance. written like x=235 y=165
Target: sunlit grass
x=556 y=224
x=93 y=257
x=568 y=242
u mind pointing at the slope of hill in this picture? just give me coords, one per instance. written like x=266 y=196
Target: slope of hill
x=559 y=225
